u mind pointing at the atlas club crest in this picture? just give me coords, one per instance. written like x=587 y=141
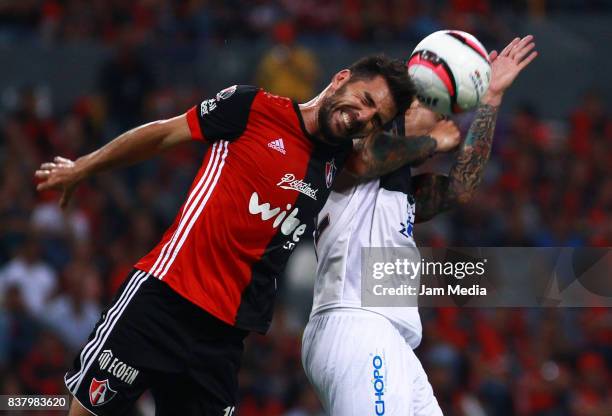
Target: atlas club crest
x=100 y=392
x=330 y=172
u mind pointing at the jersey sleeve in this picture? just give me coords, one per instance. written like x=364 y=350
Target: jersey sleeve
x=223 y=117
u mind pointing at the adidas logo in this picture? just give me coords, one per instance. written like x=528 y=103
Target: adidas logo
x=278 y=145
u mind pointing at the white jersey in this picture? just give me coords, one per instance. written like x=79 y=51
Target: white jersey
x=377 y=213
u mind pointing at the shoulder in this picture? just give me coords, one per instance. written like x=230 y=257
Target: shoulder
x=267 y=98
x=252 y=94
x=236 y=93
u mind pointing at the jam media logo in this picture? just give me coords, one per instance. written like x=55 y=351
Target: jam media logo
x=288 y=181
x=330 y=172
x=100 y=392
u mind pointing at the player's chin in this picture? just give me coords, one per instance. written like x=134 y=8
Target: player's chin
x=332 y=134
x=336 y=140
x=340 y=131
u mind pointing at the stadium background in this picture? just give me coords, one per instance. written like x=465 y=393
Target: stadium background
x=74 y=74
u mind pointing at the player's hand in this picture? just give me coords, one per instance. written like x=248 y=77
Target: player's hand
x=60 y=175
x=446 y=134
x=506 y=65
x=419 y=119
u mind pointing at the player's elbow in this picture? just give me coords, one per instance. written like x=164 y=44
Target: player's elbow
x=173 y=131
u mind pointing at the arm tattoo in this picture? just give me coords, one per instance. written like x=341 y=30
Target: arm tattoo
x=438 y=193
x=466 y=173
x=387 y=152
x=430 y=192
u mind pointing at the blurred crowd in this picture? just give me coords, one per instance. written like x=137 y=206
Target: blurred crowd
x=318 y=21
x=548 y=183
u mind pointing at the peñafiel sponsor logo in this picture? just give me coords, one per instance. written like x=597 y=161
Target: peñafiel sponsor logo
x=100 y=392
x=379 y=385
x=288 y=181
x=116 y=367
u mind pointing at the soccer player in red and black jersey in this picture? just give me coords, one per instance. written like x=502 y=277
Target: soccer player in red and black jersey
x=178 y=323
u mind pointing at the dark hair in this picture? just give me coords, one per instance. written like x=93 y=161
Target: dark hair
x=393 y=71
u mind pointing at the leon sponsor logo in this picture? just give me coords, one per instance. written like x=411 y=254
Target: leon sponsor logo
x=288 y=181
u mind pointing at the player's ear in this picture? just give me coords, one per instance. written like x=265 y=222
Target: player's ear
x=340 y=78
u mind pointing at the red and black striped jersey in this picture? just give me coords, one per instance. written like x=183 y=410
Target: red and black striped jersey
x=262 y=181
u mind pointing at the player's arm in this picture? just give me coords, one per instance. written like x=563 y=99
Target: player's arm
x=385 y=152
x=138 y=144
x=437 y=193
x=224 y=117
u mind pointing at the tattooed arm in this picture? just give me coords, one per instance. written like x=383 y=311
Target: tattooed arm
x=437 y=193
x=386 y=152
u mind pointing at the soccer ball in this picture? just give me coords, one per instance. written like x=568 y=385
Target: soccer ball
x=451 y=70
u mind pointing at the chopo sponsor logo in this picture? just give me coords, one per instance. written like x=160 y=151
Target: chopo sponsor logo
x=379 y=385
x=116 y=367
x=100 y=392
x=288 y=181
x=330 y=172
x=287 y=219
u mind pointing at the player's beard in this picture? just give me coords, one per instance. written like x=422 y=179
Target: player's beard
x=329 y=106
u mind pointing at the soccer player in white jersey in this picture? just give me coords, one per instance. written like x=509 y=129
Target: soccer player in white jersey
x=361 y=360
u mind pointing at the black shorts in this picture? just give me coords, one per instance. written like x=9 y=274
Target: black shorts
x=152 y=338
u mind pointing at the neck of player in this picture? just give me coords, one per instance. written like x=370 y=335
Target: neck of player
x=310 y=115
